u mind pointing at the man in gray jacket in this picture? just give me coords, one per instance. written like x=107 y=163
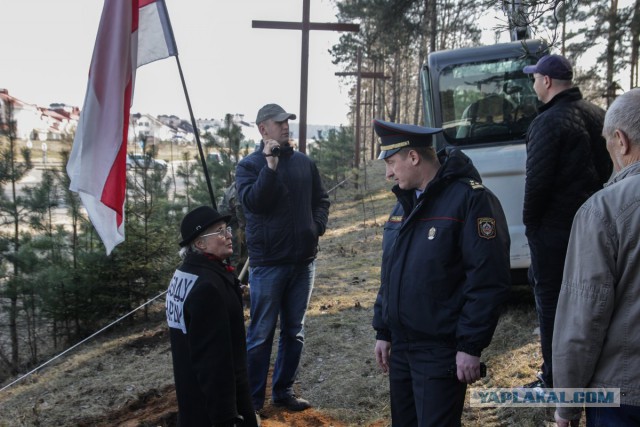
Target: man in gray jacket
x=596 y=343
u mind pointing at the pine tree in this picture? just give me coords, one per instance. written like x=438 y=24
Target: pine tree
x=334 y=155
x=12 y=209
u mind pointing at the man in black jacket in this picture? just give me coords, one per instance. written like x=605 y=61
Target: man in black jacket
x=286 y=209
x=567 y=161
x=445 y=274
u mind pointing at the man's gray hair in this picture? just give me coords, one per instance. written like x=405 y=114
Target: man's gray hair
x=624 y=114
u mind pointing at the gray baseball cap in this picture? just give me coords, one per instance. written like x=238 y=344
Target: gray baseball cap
x=273 y=112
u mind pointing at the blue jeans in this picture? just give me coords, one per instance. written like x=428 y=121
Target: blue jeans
x=277 y=291
x=625 y=415
x=548 y=247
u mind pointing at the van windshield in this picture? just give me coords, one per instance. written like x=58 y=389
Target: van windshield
x=487 y=102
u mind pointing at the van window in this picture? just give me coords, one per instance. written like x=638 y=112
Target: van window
x=486 y=102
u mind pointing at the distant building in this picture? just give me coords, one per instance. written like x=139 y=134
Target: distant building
x=40 y=123
x=211 y=126
x=149 y=127
x=171 y=121
x=59 y=121
x=55 y=125
x=208 y=125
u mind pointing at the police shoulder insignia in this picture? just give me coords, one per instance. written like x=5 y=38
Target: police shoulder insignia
x=487 y=228
x=475 y=184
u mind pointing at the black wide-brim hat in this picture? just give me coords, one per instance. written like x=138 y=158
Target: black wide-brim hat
x=196 y=221
x=396 y=136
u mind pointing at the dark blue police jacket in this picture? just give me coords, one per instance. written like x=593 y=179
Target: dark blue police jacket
x=445 y=264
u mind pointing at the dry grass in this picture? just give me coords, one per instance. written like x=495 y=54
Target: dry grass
x=101 y=376
x=338 y=373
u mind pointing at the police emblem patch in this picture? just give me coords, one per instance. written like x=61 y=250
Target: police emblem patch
x=432 y=233
x=487 y=228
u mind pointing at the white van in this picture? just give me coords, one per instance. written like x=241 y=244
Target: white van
x=485 y=103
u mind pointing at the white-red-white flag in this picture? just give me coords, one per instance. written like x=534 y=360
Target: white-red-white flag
x=131 y=33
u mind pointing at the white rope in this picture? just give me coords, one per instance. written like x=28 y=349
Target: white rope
x=339 y=184
x=82 y=342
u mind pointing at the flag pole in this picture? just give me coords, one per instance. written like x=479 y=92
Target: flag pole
x=197 y=135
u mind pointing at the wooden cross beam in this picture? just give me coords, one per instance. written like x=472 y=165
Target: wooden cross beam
x=305 y=26
x=360 y=75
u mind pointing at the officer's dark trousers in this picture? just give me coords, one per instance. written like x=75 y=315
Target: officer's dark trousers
x=548 y=247
x=424 y=392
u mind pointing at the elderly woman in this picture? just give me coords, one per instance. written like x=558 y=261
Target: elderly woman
x=206 y=324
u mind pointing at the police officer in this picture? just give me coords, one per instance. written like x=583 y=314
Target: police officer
x=445 y=274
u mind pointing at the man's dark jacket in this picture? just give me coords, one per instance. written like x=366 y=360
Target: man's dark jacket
x=286 y=210
x=445 y=263
x=567 y=160
x=208 y=344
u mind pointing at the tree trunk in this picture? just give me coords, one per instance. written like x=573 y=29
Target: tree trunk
x=13 y=311
x=635 y=45
x=611 y=48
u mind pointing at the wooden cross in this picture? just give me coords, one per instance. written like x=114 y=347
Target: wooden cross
x=305 y=26
x=360 y=75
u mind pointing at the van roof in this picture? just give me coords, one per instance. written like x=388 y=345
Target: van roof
x=443 y=58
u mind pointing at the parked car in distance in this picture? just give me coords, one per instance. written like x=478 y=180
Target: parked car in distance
x=144 y=161
x=214 y=157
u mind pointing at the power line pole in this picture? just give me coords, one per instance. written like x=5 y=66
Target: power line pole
x=305 y=26
x=359 y=76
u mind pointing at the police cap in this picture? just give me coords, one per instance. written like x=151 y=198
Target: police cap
x=396 y=136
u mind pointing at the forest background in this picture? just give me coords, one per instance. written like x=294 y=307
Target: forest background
x=57 y=286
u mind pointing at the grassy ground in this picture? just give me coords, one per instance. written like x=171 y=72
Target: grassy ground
x=124 y=377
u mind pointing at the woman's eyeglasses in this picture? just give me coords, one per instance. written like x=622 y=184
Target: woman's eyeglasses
x=220 y=233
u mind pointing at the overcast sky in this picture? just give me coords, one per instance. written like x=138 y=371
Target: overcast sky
x=229 y=67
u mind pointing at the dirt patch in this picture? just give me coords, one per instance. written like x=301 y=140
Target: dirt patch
x=151 y=408
x=159 y=408
x=308 y=418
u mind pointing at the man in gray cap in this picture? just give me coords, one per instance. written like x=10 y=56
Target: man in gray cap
x=445 y=275
x=567 y=161
x=286 y=209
